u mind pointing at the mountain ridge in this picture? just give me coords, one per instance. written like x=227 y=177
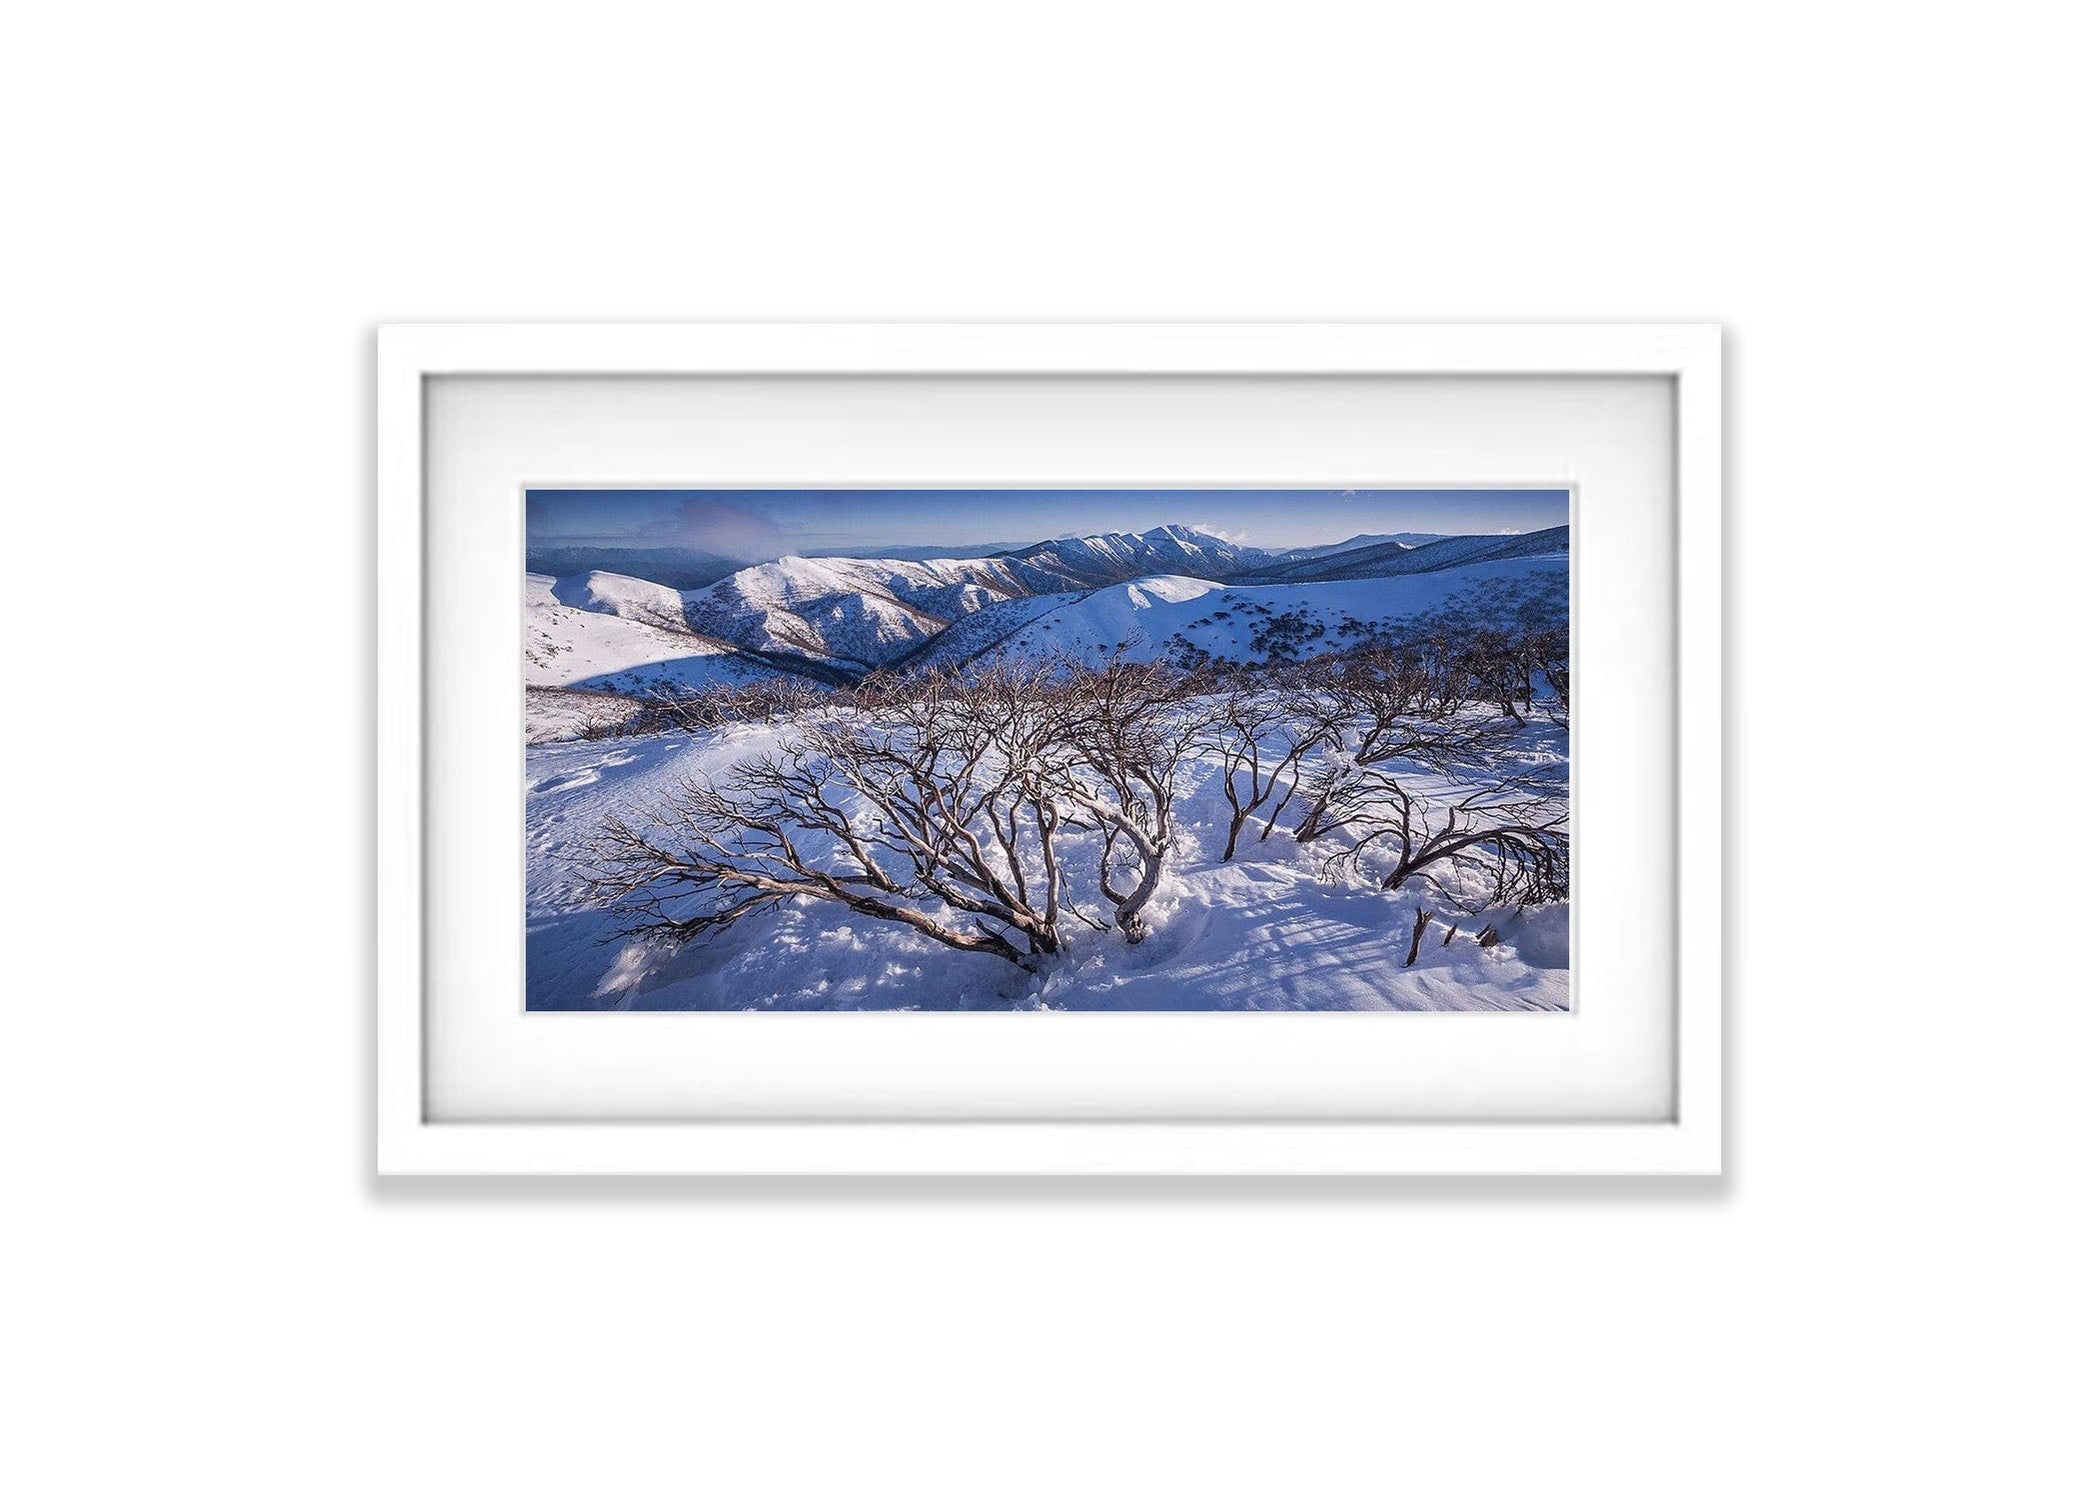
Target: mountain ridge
x=1362 y=539
x=1394 y=560
x=856 y=614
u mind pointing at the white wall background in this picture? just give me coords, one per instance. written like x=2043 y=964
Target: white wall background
x=212 y=204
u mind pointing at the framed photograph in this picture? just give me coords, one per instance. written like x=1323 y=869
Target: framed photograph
x=1050 y=749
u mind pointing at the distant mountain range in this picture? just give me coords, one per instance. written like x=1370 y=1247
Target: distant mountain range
x=1394 y=559
x=842 y=616
x=917 y=554
x=872 y=611
x=1401 y=538
x=673 y=567
x=691 y=567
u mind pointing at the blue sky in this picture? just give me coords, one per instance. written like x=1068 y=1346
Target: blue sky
x=760 y=524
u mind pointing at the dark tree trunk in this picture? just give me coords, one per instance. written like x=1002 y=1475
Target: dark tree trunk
x=1420 y=926
x=1309 y=828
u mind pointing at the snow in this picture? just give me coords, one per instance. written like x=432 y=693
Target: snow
x=1404 y=539
x=852 y=614
x=586 y=649
x=847 y=610
x=579 y=647
x=1270 y=935
x=1392 y=558
x=847 y=615
x=1145 y=619
x=628 y=598
x=969 y=637
x=1272 y=930
x=879 y=629
x=1281 y=927
x=1148 y=592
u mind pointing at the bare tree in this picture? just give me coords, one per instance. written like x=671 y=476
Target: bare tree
x=1414 y=947
x=1500 y=667
x=1506 y=839
x=1552 y=659
x=604 y=716
x=1390 y=706
x=954 y=804
x=1128 y=726
x=946 y=800
x=1262 y=735
x=761 y=701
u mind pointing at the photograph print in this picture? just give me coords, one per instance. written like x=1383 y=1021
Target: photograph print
x=994 y=750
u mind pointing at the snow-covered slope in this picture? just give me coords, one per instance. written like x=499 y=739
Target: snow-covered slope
x=1272 y=930
x=854 y=612
x=1391 y=559
x=1087 y=593
x=1090 y=561
x=592 y=648
x=971 y=636
x=629 y=598
x=846 y=609
x=870 y=627
x=1145 y=611
x=1191 y=618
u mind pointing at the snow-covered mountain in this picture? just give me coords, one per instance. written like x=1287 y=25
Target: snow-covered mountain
x=1194 y=619
x=852 y=612
x=841 y=616
x=919 y=553
x=1355 y=543
x=1394 y=559
x=605 y=633
x=629 y=598
x=846 y=610
x=1079 y=561
x=673 y=567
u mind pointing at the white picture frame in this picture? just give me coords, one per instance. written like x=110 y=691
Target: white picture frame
x=1688 y=1141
